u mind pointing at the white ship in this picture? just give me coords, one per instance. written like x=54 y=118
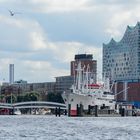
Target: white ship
x=84 y=92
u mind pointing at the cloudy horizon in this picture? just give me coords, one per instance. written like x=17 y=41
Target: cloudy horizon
x=44 y=35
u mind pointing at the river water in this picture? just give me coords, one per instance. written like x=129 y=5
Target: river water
x=39 y=127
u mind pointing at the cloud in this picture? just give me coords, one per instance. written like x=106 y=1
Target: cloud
x=50 y=6
x=37 y=69
x=61 y=5
x=120 y=19
x=20 y=34
x=36 y=57
x=71 y=48
x=113 y=2
x=37 y=41
x=56 y=64
x=59 y=65
x=116 y=21
x=4 y=69
x=43 y=40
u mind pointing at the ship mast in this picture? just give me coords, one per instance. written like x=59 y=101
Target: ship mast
x=87 y=76
x=79 y=76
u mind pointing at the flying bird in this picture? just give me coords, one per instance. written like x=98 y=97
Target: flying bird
x=13 y=13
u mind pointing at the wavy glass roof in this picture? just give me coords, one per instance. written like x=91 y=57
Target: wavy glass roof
x=129 y=34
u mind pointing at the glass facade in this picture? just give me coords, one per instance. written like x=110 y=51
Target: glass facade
x=121 y=60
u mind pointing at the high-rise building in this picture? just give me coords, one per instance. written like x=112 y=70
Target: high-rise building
x=11 y=73
x=87 y=63
x=121 y=60
x=121 y=63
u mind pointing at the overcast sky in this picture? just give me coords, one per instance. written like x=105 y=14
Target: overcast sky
x=43 y=39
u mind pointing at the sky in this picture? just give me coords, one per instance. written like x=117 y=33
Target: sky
x=43 y=37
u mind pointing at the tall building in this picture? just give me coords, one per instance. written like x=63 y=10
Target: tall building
x=121 y=60
x=121 y=63
x=87 y=62
x=11 y=73
x=64 y=83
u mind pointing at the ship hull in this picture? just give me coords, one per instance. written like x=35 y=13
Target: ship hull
x=73 y=100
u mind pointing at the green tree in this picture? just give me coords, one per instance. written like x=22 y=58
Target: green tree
x=8 y=99
x=20 y=98
x=32 y=96
x=1 y=97
x=55 y=97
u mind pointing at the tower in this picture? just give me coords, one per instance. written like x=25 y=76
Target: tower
x=121 y=63
x=11 y=73
x=87 y=62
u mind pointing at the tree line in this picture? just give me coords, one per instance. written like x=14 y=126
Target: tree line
x=33 y=96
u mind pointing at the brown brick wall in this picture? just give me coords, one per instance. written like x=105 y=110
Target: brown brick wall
x=92 y=65
x=133 y=92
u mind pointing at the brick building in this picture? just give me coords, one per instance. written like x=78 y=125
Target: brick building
x=87 y=62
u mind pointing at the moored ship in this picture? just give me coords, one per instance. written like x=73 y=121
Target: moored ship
x=84 y=92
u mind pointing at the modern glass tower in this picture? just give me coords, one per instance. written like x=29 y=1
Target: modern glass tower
x=121 y=60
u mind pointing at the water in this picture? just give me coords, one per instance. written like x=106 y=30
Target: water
x=65 y=128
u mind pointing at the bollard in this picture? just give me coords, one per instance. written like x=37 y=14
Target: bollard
x=120 y=110
x=109 y=111
x=103 y=107
x=89 y=109
x=134 y=111
x=115 y=106
x=65 y=112
x=59 y=111
x=56 y=111
x=123 y=112
x=81 y=110
x=69 y=109
x=77 y=109
x=13 y=111
x=96 y=111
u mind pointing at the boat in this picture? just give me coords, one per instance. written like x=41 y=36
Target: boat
x=86 y=93
x=17 y=112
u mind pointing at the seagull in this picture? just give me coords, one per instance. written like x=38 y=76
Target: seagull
x=13 y=13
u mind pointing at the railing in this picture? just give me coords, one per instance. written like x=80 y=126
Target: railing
x=33 y=104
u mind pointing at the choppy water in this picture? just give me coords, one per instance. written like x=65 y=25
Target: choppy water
x=65 y=128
